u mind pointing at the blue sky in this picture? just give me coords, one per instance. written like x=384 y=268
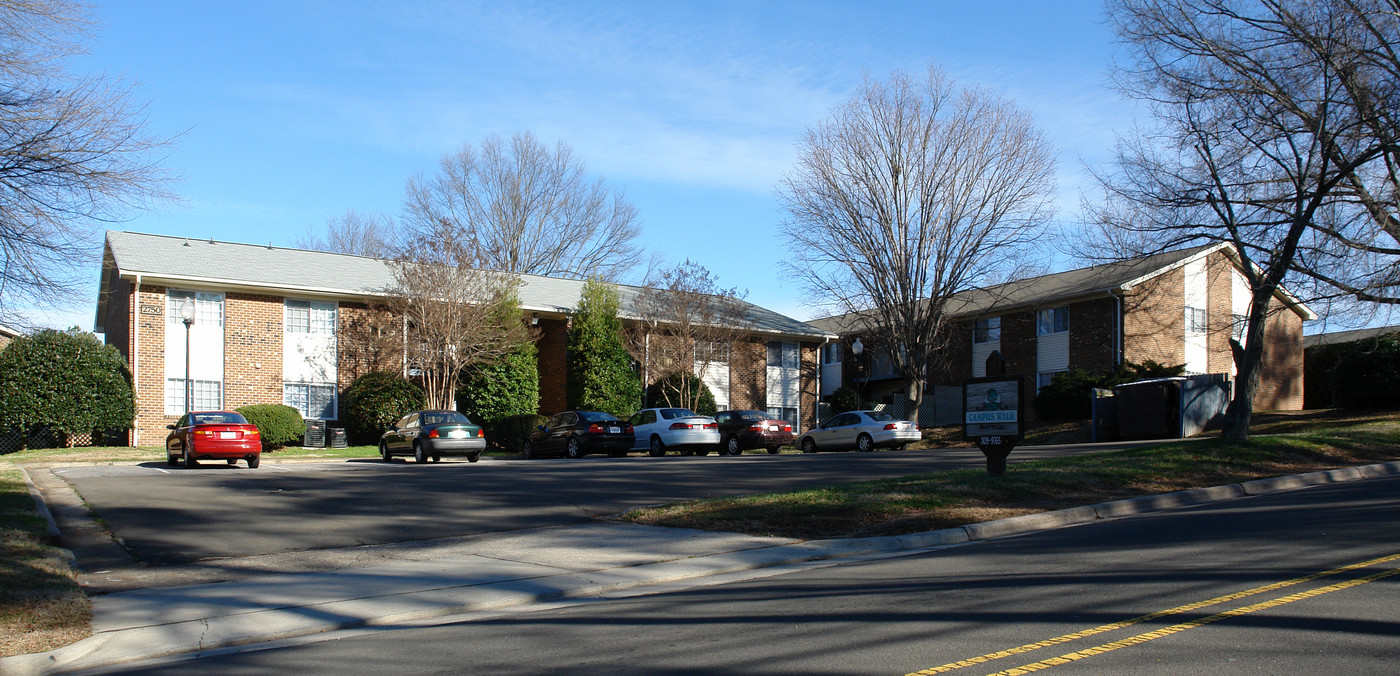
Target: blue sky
x=288 y=113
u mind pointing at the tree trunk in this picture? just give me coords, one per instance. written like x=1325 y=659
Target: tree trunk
x=914 y=395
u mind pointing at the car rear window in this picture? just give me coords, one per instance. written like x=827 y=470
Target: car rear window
x=673 y=413
x=754 y=415
x=229 y=418
x=879 y=416
x=596 y=416
x=445 y=417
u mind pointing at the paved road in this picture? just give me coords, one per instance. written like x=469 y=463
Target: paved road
x=173 y=515
x=1262 y=584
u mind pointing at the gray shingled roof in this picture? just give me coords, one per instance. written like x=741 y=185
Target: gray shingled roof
x=292 y=271
x=1348 y=336
x=1046 y=289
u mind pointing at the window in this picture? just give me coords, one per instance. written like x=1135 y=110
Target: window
x=831 y=353
x=305 y=316
x=315 y=401
x=1044 y=379
x=1195 y=320
x=1052 y=320
x=712 y=351
x=208 y=307
x=207 y=395
x=1237 y=326
x=788 y=414
x=986 y=330
x=784 y=355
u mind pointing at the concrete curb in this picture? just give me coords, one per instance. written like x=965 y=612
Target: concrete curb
x=253 y=624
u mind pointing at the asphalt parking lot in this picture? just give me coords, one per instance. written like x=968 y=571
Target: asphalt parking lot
x=172 y=515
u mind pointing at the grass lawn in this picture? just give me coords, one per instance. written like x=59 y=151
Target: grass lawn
x=41 y=605
x=946 y=499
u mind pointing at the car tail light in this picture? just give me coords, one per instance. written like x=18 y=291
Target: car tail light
x=712 y=426
x=252 y=434
x=480 y=433
x=756 y=427
x=914 y=426
x=595 y=428
x=787 y=427
x=628 y=429
x=891 y=426
x=433 y=433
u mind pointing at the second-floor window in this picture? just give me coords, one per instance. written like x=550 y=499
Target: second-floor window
x=1052 y=320
x=986 y=330
x=305 y=316
x=1195 y=319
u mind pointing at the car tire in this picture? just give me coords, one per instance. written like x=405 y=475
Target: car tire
x=189 y=459
x=437 y=457
x=171 y=460
x=775 y=450
x=254 y=461
x=418 y=454
x=657 y=448
x=809 y=446
x=384 y=452
x=864 y=443
x=473 y=457
x=572 y=450
x=731 y=446
x=528 y=450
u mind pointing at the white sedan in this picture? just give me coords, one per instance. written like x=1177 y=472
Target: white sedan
x=660 y=428
x=861 y=430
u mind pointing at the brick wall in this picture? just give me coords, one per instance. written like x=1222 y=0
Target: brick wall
x=252 y=349
x=1093 y=334
x=809 y=366
x=553 y=359
x=150 y=366
x=748 y=374
x=1218 y=316
x=1154 y=320
x=1281 y=366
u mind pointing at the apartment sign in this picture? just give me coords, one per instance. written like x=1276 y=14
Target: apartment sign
x=992 y=410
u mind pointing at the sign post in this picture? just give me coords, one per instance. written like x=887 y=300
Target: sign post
x=993 y=409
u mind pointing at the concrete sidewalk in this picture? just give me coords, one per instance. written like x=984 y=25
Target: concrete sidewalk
x=511 y=569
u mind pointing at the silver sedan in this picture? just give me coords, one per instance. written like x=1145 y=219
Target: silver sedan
x=660 y=428
x=861 y=430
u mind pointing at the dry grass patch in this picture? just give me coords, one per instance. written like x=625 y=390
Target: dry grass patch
x=946 y=499
x=41 y=605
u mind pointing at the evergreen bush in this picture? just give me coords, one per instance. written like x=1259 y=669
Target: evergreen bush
x=494 y=392
x=1067 y=397
x=846 y=398
x=65 y=382
x=278 y=424
x=600 y=372
x=374 y=402
x=509 y=433
x=668 y=391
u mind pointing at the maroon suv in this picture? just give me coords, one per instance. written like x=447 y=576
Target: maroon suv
x=739 y=430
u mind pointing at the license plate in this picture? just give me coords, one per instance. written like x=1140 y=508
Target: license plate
x=772 y=428
x=614 y=430
x=457 y=434
x=228 y=435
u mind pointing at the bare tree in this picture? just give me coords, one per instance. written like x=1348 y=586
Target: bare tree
x=1255 y=145
x=356 y=233
x=454 y=315
x=912 y=191
x=525 y=209
x=686 y=325
x=73 y=154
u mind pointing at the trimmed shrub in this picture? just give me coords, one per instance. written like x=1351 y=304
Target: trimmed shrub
x=1067 y=397
x=509 y=387
x=600 y=372
x=508 y=434
x=374 y=402
x=846 y=398
x=668 y=391
x=67 y=382
x=1369 y=376
x=278 y=424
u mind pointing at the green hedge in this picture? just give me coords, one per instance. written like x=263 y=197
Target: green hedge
x=846 y=398
x=600 y=372
x=1356 y=375
x=66 y=382
x=510 y=387
x=278 y=424
x=374 y=402
x=508 y=434
x=1067 y=397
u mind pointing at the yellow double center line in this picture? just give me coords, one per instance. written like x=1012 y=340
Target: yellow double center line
x=1141 y=638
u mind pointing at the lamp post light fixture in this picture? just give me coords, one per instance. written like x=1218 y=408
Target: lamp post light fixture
x=857 y=347
x=187 y=316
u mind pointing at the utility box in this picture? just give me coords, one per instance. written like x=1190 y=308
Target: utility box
x=338 y=439
x=315 y=436
x=1170 y=408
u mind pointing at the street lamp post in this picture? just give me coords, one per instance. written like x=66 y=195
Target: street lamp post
x=187 y=316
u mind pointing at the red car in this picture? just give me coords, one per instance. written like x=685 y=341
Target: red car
x=751 y=429
x=215 y=435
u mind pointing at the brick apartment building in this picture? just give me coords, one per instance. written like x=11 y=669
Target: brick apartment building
x=1179 y=307
x=272 y=325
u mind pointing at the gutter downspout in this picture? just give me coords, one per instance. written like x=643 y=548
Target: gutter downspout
x=1117 y=328
x=136 y=360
